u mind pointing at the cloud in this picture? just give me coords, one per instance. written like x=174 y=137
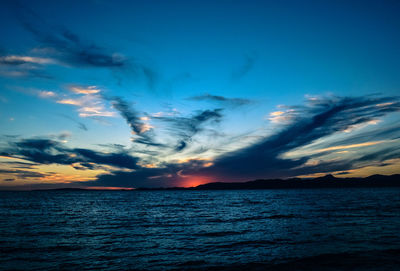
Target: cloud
x=318 y=119
x=41 y=93
x=21 y=60
x=19 y=165
x=24 y=66
x=171 y=174
x=65 y=47
x=222 y=100
x=81 y=125
x=46 y=94
x=185 y=128
x=246 y=67
x=85 y=90
x=89 y=102
x=286 y=116
x=8 y=180
x=121 y=160
x=47 y=151
x=335 y=147
x=22 y=174
x=141 y=129
x=130 y=115
x=381 y=155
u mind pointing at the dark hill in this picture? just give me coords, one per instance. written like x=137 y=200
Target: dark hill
x=327 y=181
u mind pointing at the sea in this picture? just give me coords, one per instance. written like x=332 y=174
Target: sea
x=294 y=229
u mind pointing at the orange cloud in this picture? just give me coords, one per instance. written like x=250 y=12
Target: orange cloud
x=343 y=147
x=29 y=59
x=88 y=90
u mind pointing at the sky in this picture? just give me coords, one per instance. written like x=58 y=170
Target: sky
x=135 y=94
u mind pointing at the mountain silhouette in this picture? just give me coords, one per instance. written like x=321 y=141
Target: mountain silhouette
x=327 y=181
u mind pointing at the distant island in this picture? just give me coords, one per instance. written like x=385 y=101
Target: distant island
x=328 y=181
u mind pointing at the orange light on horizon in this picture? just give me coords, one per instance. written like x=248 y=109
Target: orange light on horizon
x=193 y=181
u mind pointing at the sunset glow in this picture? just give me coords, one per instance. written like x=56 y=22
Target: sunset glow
x=123 y=96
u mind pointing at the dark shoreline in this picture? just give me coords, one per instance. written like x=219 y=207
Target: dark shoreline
x=328 y=181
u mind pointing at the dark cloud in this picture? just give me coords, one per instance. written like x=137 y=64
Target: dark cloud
x=23 y=174
x=166 y=175
x=129 y=114
x=19 y=165
x=221 y=100
x=263 y=159
x=87 y=166
x=47 y=151
x=8 y=180
x=320 y=118
x=381 y=154
x=114 y=159
x=68 y=48
x=64 y=44
x=184 y=128
x=342 y=173
x=142 y=133
x=182 y=144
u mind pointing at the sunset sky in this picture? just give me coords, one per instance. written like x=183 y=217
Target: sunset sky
x=179 y=93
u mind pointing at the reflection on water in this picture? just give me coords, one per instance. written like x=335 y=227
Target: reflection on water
x=198 y=229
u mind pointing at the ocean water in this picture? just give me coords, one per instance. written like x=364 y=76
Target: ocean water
x=309 y=229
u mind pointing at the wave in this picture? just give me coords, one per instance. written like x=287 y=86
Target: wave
x=220 y=233
x=362 y=261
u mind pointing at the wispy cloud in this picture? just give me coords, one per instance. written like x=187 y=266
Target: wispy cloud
x=9 y=180
x=132 y=117
x=89 y=102
x=46 y=94
x=341 y=148
x=41 y=93
x=80 y=125
x=185 y=128
x=22 y=174
x=265 y=158
x=21 y=60
x=282 y=117
x=64 y=45
x=60 y=45
x=225 y=101
x=24 y=66
x=140 y=127
x=49 y=151
x=318 y=119
x=85 y=90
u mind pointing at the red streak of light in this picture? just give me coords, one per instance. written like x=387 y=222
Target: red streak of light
x=194 y=181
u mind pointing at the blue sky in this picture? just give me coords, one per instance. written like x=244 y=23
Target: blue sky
x=179 y=93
